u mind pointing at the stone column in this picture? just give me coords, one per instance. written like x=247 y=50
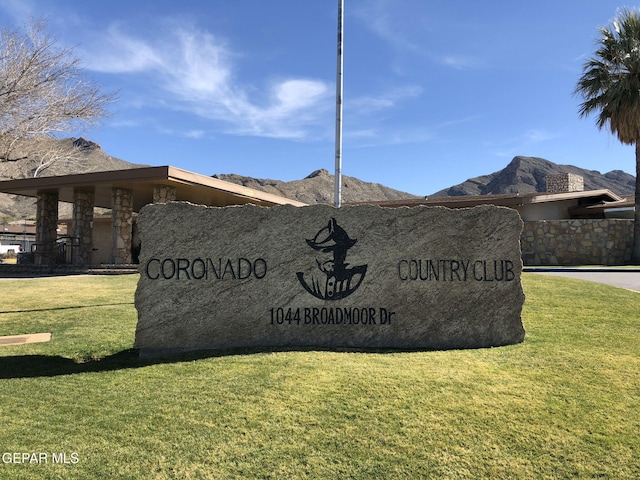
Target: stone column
x=83 y=203
x=164 y=193
x=121 y=225
x=46 y=228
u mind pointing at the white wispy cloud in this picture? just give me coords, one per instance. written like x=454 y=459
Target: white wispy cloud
x=459 y=121
x=378 y=16
x=194 y=71
x=537 y=135
x=459 y=62
x=195 y=134
x=384 y=100
x=378 y=136
x=172 y=64
x=413 y=27
x=20 y=10
x=365 y=113
x=126 y=123
x=120 y=53
x=518 y=144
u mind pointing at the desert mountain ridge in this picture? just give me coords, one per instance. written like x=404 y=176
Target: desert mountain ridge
x=528 y=175
x=89 y=157
x=521 y=175
x=318 y=187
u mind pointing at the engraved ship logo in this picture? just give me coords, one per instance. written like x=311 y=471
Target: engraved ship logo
x=338 y=280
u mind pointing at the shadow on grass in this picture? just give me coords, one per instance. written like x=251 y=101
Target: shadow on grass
x=34 y=366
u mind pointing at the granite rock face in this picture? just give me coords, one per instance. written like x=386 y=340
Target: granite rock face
x=317 y=276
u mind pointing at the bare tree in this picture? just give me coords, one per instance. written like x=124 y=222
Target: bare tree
x=43 y=92
x=45 y=152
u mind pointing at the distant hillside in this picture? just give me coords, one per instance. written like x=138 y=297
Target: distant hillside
x=522 y=175
x=528 y=174
x=90 y=158
x=318 y=187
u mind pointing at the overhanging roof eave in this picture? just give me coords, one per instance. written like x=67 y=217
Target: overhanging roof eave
x=191 y=187
x=554 y=197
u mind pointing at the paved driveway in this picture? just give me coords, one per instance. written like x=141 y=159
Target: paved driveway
x=629 y=279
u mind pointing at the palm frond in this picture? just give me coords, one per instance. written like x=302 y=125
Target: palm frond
x=610 y=81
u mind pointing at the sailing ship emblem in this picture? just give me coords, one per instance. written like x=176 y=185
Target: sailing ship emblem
x=338 y=280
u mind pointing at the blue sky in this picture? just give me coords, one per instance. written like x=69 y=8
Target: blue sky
x=435 y=92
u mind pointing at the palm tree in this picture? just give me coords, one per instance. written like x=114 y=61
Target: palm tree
x=610 y=87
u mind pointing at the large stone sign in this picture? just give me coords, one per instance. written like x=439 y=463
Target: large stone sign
x=354 y=277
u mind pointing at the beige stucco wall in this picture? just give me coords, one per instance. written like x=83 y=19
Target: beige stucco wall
x=546 y=210
x=101 y=241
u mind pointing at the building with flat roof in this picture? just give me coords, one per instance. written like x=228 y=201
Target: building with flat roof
x=125 y=192
x=535 y=206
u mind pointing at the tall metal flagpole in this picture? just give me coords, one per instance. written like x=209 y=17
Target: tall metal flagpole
x=339 y=87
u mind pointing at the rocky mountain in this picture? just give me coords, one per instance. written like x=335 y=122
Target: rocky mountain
x=87 y=156
x=318 y=187
x=522 y=175
x=528 y=174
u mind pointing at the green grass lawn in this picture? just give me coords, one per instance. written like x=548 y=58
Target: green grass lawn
x=563 y=404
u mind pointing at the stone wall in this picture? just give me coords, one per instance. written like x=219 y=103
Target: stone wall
x=122 y=222
x=577 y=242
x=46 y=228
x=164 y=193
x=83 y=202
x=565 y=182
